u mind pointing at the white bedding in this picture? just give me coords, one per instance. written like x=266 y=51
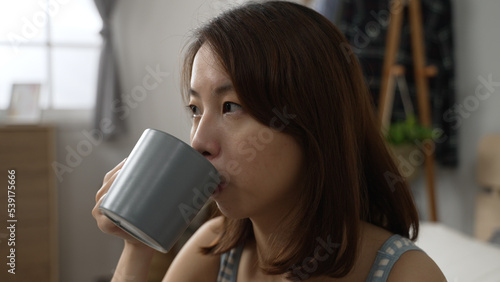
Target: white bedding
x=460 y=257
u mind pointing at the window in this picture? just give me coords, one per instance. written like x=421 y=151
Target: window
x=52 y=42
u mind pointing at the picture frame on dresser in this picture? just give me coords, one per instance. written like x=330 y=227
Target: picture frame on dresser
x=24 y=106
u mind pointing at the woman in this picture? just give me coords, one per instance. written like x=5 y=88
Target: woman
x=280 y=108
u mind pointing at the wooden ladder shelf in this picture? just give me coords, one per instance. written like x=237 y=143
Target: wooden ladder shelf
x=421 y=72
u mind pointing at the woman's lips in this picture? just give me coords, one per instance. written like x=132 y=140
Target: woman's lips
x=219 y=189
x=220 y=186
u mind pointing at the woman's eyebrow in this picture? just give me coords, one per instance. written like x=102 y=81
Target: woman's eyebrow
x=193 y=93
x=223 y=89
x=219 y=91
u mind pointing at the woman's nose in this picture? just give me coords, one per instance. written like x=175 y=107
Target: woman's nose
x=204 y=138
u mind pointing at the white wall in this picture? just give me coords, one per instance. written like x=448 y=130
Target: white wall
x=151 y=33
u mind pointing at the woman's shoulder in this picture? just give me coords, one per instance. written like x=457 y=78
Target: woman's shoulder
x=415 y=265
x=410 y=262
x=207 y=266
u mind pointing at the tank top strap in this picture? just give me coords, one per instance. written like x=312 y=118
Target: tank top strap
x=388 y=255
x=229 y=262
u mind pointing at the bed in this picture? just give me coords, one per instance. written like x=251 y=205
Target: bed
x=460 y=257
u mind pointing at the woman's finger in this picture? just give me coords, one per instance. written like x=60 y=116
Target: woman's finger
x=105 y=186
x=113 y=171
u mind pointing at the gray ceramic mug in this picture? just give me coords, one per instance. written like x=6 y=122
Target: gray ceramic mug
x=159 y=190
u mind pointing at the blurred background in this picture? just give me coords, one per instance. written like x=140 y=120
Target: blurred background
x=50 y=64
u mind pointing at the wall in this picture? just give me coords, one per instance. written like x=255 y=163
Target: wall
x=151 y=34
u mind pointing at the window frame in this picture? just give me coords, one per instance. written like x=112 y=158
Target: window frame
x=47 y=46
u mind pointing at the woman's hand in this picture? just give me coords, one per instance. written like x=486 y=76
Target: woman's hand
x=104 y=223
x=136 y=257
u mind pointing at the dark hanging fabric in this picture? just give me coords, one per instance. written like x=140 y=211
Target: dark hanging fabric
x=108 y=98
x=365 y=23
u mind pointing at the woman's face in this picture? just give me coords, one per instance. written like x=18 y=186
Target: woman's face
x=260 y=165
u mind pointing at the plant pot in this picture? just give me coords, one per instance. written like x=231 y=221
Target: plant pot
x=409 y=160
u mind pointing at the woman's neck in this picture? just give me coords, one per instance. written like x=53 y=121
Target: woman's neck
x=273 y=229
x=271 y=232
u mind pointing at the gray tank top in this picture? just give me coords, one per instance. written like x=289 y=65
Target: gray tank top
x=386 y=257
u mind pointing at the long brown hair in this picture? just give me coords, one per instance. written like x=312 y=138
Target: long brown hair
x=281 y=55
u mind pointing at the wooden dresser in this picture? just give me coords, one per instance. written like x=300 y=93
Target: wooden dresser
x=30 y=221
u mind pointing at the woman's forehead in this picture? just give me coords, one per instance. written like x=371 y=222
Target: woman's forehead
x=207 y=69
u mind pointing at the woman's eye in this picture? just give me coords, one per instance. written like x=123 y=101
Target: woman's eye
x=229 y=107
x=195 y=111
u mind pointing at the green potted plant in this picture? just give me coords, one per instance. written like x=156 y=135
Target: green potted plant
x=402 y=137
